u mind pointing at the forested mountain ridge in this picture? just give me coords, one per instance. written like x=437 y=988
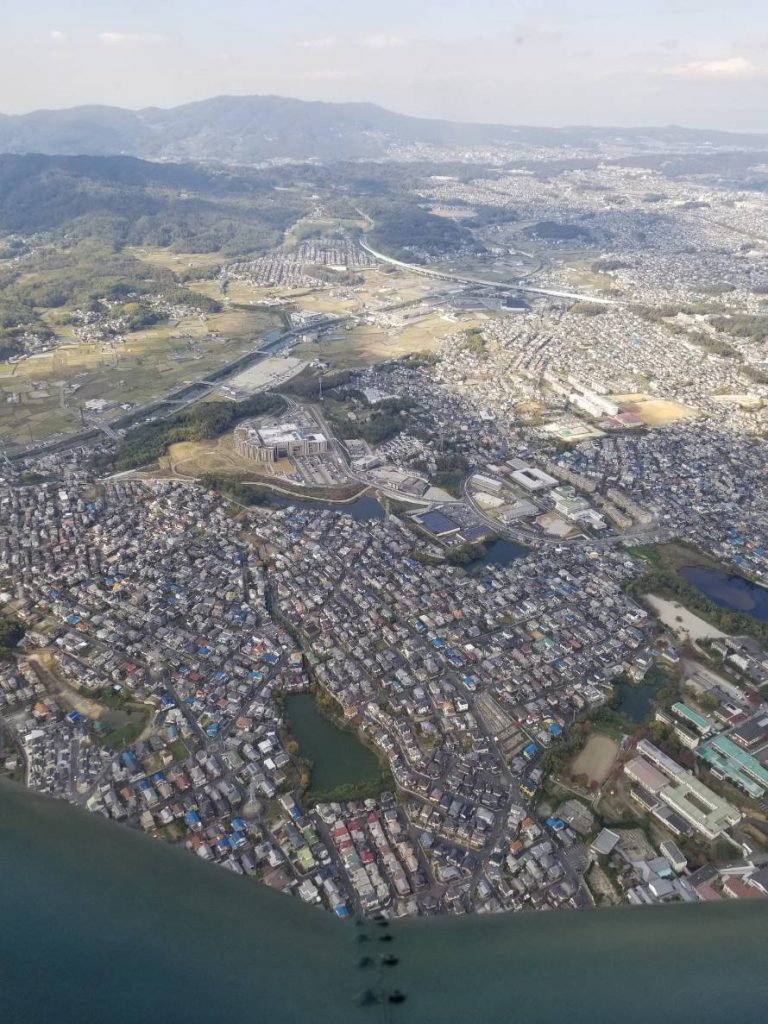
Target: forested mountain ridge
x=251 y=129
x=124 y=200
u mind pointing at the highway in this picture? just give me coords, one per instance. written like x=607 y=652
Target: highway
x=191 y=392
x=443 y=275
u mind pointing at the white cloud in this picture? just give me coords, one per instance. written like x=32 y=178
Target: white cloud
x=58 y=37
x=384 y=42
x=129 y=39
x=322 y=43
x=728 y=67
x=539 y=32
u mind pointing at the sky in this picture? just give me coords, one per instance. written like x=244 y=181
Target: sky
x=700 y=63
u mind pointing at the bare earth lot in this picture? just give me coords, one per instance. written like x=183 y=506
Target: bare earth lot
x=654 y=411
x=684 y=623
x=596 y=759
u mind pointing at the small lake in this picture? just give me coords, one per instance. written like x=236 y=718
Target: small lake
x=500 y=552
x=728 y=590
x=360 y=509
x=338 y=757
x=636 y=700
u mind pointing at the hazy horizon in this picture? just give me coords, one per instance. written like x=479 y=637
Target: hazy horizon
x=695 y=63
x=520 y=124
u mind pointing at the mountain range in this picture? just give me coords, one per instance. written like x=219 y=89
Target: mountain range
x=254 y=129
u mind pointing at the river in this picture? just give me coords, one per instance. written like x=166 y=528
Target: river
x=101 y=925
x=338 y=757
x=728 y=590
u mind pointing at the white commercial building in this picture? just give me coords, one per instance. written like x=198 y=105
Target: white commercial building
x=533 y=479
x=284 y=441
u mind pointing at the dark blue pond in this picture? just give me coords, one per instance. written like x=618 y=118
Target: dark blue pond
x=636 y=700
x=728 y=590
x=501 y=552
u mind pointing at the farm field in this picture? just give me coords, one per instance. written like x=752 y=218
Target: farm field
x=367 y=344
x=50 y=388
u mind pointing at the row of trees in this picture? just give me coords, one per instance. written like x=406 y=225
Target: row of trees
x=364 y=789
x=452 y=467
x=149 y=442
x=553 y=231
x=374 y=423
x=474 y=341
x=308 y=385
x=743 y=325
x=11 y=632
x=230 y=487
x=589 y=308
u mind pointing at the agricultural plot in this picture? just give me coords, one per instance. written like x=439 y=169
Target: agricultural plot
x=366 y=344
x=42 y=395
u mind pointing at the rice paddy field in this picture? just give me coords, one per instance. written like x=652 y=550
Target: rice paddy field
x=365 y=344
x=42 y=395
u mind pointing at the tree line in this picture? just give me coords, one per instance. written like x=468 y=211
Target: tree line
x=669 y=584
x=11 y=633
x=147 y=443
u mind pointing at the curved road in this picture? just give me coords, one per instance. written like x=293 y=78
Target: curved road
x=442 y=275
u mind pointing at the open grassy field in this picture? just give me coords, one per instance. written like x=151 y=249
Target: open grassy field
x=578 y=273
x=320 y=227
x=178 y=262
x=377 y=289
x=193 y=459
x=673 y=555
x=218 y=456
x=367 y=344
x=51 y=387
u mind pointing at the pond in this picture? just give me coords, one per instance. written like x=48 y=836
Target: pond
x=500 y=552
x=636 y=700
x=728 y=590
x=360 y=509
x=338 y=757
